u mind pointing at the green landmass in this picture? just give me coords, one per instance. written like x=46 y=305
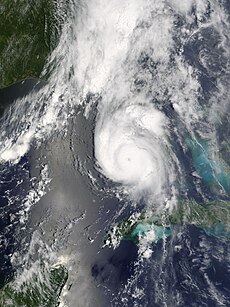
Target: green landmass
x=212 y=217
x=207 y=214
x=136 y=226
x=40 y=289
x=29 y=31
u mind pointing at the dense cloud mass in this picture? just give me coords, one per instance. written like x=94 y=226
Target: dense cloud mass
x=129 y=147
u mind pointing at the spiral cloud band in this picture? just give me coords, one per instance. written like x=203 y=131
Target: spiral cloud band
x=129 y=148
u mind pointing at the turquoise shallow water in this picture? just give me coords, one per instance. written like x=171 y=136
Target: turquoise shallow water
x=159 y=231
x=214 y=172
x=218 y=231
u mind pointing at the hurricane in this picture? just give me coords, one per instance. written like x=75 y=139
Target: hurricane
x=114 y=160
x=129 y=148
